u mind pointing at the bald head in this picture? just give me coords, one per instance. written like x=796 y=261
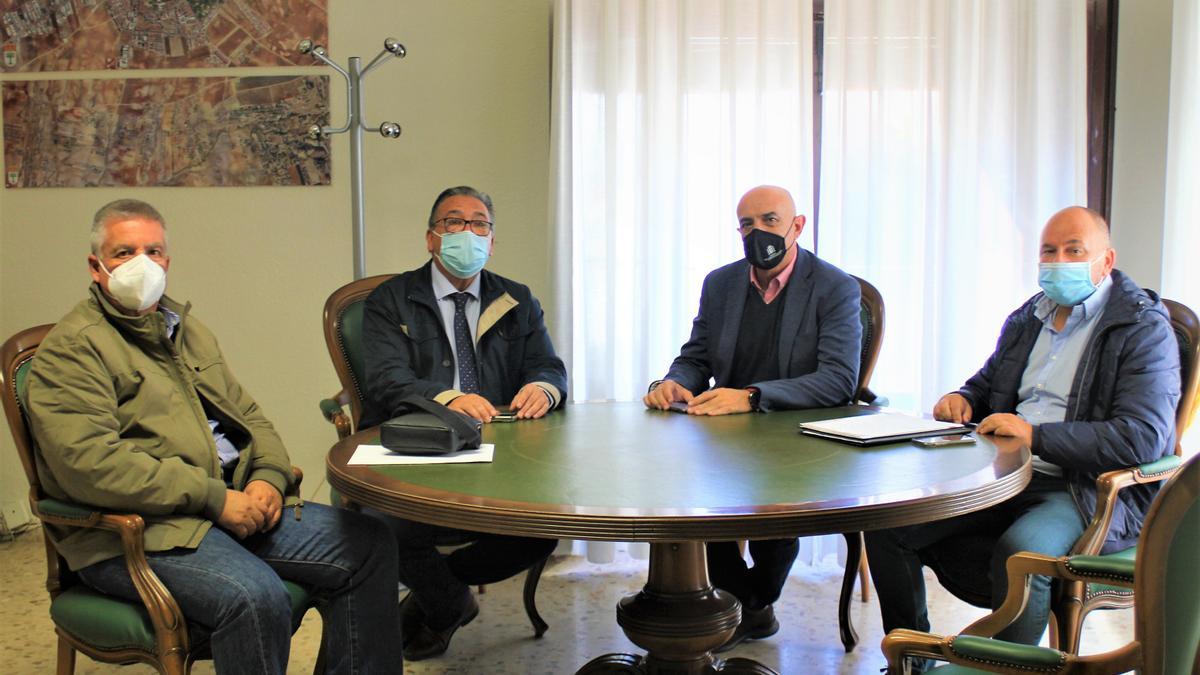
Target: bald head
x=1079 y=217
x=766 y=198
x=1078 y=234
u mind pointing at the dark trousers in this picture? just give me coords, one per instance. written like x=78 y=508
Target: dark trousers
x=969 y=553
x=440 y=584
x=232 y=591
x=758 y=586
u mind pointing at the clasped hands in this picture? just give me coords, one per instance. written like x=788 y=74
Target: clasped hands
x=955 y=408
x=719 y=401
x=255 y=509
x=531 y=402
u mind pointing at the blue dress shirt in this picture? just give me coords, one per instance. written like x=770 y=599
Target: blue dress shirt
x=1050 y=371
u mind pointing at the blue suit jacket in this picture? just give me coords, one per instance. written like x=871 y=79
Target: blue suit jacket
x=820 y=338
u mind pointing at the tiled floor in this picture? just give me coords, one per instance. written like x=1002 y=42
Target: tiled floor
x=576 y=598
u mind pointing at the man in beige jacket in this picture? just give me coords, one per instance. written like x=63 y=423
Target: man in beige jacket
x=134 y=409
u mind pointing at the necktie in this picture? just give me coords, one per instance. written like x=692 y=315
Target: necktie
x=468 y=376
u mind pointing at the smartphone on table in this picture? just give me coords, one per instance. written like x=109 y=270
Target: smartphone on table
x=942 y=441
x=505 y=416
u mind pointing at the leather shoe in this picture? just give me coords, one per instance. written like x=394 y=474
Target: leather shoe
x=756 y=624
x=427 y=642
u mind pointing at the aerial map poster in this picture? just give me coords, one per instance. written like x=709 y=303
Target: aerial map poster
x=42 y=35
x=209 y=131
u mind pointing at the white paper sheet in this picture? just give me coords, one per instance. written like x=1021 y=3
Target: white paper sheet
x=878 y=426
x=377 y=454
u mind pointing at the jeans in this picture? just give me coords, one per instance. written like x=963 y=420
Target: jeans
x=758 y=586
x=440 y=584
x=969 y=553
x=234 y=590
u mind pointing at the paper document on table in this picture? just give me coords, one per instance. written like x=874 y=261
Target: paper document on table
x=377 y=454
x=880 y=428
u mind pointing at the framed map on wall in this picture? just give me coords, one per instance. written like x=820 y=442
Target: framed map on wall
x=203 y=131
x=43 y=35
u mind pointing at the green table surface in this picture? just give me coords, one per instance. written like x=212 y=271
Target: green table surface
x=617 y=471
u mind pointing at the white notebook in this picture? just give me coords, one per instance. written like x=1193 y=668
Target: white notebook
x=881 y=428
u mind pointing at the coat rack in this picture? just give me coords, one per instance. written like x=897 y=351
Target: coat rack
x=356 y=125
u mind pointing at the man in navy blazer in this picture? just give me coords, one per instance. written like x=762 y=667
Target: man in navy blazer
x=779 y=330
x=458 y=334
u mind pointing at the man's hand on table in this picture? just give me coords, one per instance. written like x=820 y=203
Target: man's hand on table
x=720 y=401
x=666 y=393
x=952 y=408
x=1005 y=424
x=474 y=405
x=530 y=403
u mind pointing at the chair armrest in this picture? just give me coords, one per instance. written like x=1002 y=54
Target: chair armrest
x=332 y=409
x=1025 y=564
x=1102 y=569
x=73 y=514
x=1110 y=483
x=170 y=628
x=985 y=650
x=975 y=648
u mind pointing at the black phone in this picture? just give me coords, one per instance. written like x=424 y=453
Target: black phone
x=505 y=416
x=942 y=441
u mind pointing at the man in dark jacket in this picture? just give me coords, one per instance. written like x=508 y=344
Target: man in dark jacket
x=776 y=331
x=1086 y=375
x=473 y=341
x=134 y=409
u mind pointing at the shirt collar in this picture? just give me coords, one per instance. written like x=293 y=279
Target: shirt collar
x=776 y=285
x=1089 y=308
x=171 y=318
x=442 y=288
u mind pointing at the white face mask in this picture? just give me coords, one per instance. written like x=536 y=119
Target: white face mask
x=137 y=284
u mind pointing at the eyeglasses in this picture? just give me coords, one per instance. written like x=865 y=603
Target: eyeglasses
x=454 y=225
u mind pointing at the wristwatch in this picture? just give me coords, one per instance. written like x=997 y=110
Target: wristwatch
x=755 y=398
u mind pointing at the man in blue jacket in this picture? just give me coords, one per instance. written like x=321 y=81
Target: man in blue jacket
x=472 y=340
x=1085 y=374
x=779 y=330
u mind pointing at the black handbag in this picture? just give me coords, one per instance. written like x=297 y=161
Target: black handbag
x=423 y=427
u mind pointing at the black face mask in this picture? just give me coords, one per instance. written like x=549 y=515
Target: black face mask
x=764 y=249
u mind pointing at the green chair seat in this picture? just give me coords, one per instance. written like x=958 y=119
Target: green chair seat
x=102 y=620
x=110 y=623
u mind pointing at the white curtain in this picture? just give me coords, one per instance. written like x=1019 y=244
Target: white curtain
x=952 y=129
x=664 y=114
x=1181 y=235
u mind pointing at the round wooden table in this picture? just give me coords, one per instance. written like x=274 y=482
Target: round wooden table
x=620 y=472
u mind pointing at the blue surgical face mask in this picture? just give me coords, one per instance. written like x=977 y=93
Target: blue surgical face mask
x=463 y=254
x=1068 y=283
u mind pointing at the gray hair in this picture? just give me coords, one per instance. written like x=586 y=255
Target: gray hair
x=455 y=192
x=122 y=209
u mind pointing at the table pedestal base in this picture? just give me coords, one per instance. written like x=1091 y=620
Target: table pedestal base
x=678 y=618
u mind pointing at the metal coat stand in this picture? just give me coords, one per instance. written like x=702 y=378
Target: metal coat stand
x=354 y=74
